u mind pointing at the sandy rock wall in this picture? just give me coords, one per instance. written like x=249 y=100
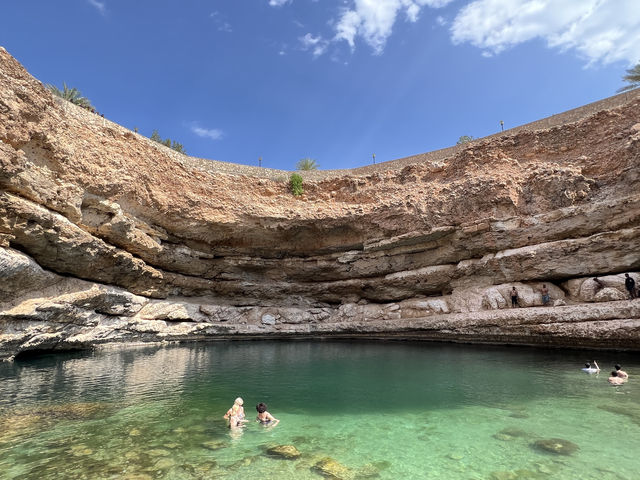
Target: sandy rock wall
x=96 y=221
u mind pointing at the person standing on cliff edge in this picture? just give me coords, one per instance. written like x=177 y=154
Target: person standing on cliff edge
x=514 y=297
x=630 y=285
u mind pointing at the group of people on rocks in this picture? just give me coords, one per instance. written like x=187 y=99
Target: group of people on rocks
x=617 y=377
x=629 y=285
x=544 y=291
x=236 y=417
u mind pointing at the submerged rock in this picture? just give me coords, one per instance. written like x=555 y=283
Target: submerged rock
x=513 y=432
x=503 y=475
x=164 y=463
x=518 y=414
x=508 y=434
x=215 y=444
x=556 y=446
x=159 y=452
x=333 y=469
x=286 y=452
x=627 y=411
x=372 y=470
x=80 y=450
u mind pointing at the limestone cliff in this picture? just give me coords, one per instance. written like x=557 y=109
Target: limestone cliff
x=108 y=236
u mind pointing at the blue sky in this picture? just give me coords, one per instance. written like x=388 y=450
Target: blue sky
x=334 y=80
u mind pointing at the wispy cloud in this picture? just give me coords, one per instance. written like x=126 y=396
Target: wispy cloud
x=601 y=31
x=221 y=22
x=374 y=21
x=211 y=133
x=317 y=45
x=371 y=21
x=278 y=3
x=100 y=6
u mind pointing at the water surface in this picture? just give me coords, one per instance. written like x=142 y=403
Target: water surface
x=375 y=410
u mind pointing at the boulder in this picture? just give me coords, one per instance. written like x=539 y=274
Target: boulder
x=286 y=452
x=609 y=294
x=493 y=299
x=557 y=446
x=328 y=467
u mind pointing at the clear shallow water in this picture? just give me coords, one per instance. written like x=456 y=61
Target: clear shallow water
x=380 y=410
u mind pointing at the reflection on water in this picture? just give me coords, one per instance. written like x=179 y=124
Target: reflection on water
x=350 y=410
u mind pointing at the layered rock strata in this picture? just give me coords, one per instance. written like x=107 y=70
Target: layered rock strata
x=106 y=236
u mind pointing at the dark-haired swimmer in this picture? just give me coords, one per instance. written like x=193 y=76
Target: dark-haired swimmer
x=264 y=417
x=621 y=373
x=589 y=369
x=614 y=379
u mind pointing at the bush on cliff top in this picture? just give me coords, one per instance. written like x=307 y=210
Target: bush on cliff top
x=295 y=184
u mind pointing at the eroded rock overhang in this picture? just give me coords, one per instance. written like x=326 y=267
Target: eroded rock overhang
x=107 y=236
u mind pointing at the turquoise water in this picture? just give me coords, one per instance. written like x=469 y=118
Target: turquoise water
x=376 y=410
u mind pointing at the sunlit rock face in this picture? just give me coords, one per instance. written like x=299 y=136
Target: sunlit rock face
x=107 y=236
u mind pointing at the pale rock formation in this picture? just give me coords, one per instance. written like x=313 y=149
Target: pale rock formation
x=106 y=236
x=609 y=294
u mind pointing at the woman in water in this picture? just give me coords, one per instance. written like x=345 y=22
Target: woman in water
x=264 y=417
x=235 y=414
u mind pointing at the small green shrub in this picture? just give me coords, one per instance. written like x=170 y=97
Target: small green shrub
x=295 y=184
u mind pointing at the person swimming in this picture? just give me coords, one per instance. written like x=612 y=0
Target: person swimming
x=615 y=379
x=621 y=373
x=235 y=414
x=264 y=417
x=589 y=369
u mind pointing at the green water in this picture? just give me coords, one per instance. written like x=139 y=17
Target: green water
x=379 y=410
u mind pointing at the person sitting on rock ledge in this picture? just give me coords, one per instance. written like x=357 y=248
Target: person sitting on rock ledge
x=630 y=285
x=589 y=369
x=621 y=373
x=599 y=284
x=545 y=295
x=514 y=297
x=614 y=379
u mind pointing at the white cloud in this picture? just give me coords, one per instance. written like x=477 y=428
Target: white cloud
x=317 y=45
x=100 y=6
x=601 y=31
x=278 y=3
x=212 y=133
x=373 y=20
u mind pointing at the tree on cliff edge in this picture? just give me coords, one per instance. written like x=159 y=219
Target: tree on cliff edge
x=178 y=147
x=307 y=164
x=72 y=95
x=632 y=78
x=464 y=139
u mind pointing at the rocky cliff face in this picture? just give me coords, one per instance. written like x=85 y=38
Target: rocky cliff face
x=107 y=236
